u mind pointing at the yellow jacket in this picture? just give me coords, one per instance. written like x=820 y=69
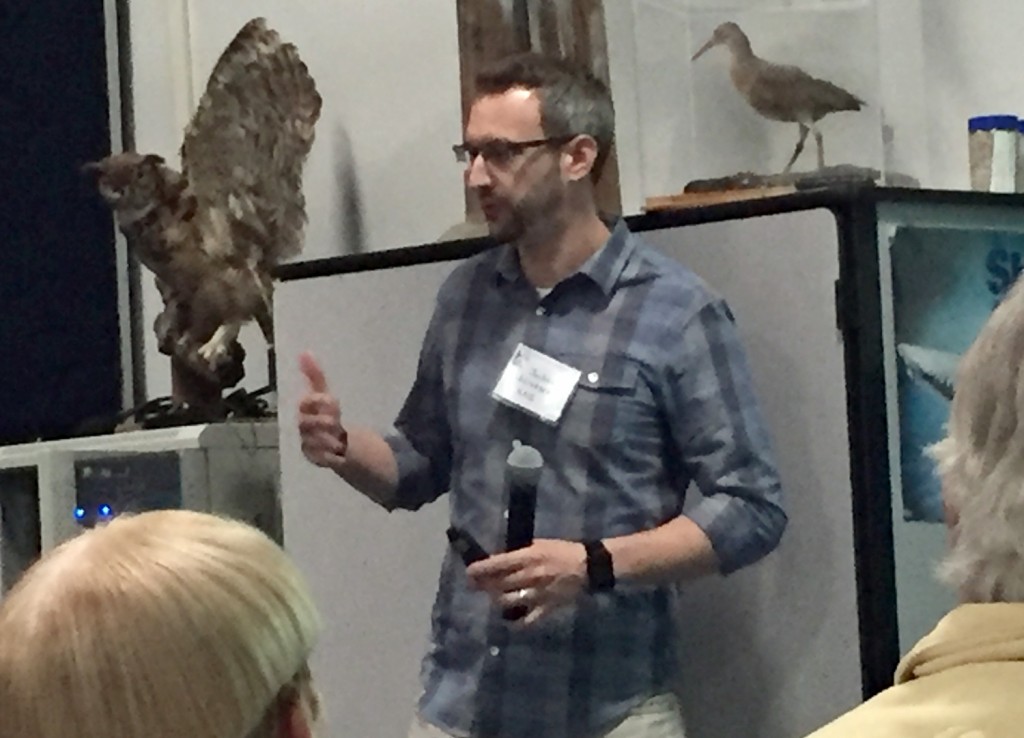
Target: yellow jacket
x=965 y=679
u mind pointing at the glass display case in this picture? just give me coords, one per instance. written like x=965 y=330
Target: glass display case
x=851 y=70
x=727 y=134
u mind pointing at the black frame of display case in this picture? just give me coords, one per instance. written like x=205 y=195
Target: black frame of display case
x=859 y=318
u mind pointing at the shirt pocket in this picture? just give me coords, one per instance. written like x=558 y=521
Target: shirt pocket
x=607 y=400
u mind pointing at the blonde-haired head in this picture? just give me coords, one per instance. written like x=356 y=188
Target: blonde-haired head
x=981 y=462
x=164 y=624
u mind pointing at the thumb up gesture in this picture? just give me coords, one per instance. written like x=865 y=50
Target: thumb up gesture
x=324 y=438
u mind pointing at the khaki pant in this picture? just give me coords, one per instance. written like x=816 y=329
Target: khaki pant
x=658 y=717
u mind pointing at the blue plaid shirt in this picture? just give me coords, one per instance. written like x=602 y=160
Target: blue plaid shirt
x=665 y=398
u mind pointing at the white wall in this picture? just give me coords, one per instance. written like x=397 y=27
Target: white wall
x=791 y=619
x=374 y=574
x=970 y=56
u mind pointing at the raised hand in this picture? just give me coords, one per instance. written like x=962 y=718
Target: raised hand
x=324 y=438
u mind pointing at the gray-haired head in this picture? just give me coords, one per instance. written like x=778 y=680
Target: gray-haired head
x=981 y=462
x=572 y=100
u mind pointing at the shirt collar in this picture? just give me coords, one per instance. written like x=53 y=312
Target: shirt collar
x=969 y=634
x=604 y=267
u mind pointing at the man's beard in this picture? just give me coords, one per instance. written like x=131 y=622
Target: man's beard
x=509 y=228
x=534 y=209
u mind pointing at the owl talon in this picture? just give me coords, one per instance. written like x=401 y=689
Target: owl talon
x=217 y=351
x=214 y=355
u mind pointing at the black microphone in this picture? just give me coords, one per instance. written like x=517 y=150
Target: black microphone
x=522 y=472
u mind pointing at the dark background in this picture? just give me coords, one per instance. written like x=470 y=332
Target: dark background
x=59 y=344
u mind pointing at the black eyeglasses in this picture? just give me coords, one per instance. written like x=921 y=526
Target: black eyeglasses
x=500 y=151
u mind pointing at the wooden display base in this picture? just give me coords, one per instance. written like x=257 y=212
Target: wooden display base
x=698 y=199
x=749 y=186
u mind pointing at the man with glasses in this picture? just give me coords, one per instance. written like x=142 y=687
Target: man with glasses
x=623 y=370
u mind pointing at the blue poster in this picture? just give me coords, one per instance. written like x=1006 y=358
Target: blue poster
x=945 y=284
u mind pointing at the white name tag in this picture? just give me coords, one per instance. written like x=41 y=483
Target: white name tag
x=537 y=384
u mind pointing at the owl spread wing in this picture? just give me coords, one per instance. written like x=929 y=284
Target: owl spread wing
x=245 y=147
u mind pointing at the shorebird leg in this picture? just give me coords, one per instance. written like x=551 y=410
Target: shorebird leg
x=799 y=147
x=821 y=147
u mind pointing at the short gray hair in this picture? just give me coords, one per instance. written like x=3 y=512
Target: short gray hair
x=981 y=461
x=572 y=100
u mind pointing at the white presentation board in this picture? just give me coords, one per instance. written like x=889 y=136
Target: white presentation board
x=771 y=651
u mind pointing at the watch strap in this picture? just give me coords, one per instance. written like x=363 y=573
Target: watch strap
x=600 y=571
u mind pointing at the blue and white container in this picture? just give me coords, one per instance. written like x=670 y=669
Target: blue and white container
x=992 y=152
x=1020 y=155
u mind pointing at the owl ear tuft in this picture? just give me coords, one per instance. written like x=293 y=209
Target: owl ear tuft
x=152 y=160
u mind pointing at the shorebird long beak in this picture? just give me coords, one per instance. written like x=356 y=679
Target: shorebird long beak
x=711 y=42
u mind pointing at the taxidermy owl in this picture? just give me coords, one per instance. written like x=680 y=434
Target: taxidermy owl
x=213 y=232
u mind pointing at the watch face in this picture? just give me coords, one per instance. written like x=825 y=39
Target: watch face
x=600 y=572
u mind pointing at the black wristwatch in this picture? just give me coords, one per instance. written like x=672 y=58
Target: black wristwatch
x=600 y=572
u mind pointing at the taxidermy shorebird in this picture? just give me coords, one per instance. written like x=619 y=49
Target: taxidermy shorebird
x=781 y=92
